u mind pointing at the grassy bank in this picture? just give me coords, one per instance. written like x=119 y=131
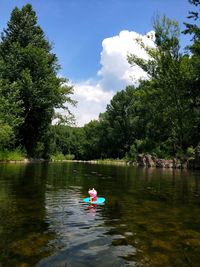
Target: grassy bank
x=15 y=155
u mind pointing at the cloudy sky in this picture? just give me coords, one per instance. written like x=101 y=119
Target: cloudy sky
x=91 y=39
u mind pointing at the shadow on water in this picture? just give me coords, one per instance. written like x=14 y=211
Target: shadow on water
x=150 y=218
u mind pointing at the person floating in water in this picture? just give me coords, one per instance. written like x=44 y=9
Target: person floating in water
x=93 y=195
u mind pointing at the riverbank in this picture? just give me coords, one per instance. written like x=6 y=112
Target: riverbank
x=147 y=160
x=143 y=160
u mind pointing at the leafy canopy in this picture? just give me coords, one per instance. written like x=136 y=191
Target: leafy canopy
x=29 y=70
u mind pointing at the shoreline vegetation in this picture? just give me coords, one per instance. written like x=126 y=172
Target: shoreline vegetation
x=142 y=160
x=153 y=124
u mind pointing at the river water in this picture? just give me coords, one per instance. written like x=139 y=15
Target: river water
x=151 y=217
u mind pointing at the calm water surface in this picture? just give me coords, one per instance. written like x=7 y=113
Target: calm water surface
x=151 y=216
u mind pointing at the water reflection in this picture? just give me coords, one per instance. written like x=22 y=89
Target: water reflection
x=92 y=209
x=151 y=216
x=80 y=231
x=22 y=215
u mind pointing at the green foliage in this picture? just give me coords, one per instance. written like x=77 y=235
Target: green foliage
x=164 y=95
x=193 y=29
x=190 y=152
x=28 y=80
x=132 y=154
x=161 y=116
x=67 y=140
x=119 y=124
x=197 y=151
x=69 y=157
x=10 y=104
x=60 y=156
x=6 y=136
x=92 y=140
x=16 y=154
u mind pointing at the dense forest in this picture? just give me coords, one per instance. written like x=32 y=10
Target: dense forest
x=161 y=116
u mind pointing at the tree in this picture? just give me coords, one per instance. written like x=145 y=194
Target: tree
x=29 y=65
x=194 y=77
x=193 y=29
x=6 y=135
x=10 y=110
x=119 y=124
x=68 y=141
x=92 y=140
x=168 y=71
x=10 y=113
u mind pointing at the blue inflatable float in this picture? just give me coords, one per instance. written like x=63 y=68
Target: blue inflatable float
x=100 y=200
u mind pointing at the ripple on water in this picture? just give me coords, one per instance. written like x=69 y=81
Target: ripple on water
x=94 y=252
x=80 y=232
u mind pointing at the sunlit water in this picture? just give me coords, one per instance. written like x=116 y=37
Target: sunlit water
x=151 y=217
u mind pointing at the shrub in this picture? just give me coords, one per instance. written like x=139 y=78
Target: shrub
x=60 y=156
x=190 y=152
x=11 y=155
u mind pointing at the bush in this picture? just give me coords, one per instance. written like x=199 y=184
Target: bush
x=6 y=135
x=190 y=152
x=60 y=156
x=11 y=155
x=69 y=157
x=132 y=154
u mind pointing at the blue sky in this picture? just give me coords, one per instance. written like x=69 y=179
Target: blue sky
x=77 y=29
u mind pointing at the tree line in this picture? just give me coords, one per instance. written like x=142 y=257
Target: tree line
x=160 y=116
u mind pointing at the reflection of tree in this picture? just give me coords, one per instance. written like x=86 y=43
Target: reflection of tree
x=197 y=186
x=22 y=213
x=185 y=190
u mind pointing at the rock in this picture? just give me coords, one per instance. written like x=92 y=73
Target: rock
x=169 y=163
x=141 y=160
x=160 y=163
x=149 y=160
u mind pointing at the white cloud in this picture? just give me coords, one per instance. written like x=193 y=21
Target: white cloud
x=116 y=72
x=114 y=75
x=91 y=93
x=92 y=100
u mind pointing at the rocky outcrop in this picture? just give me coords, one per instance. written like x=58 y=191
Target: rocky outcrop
x=148 y=160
